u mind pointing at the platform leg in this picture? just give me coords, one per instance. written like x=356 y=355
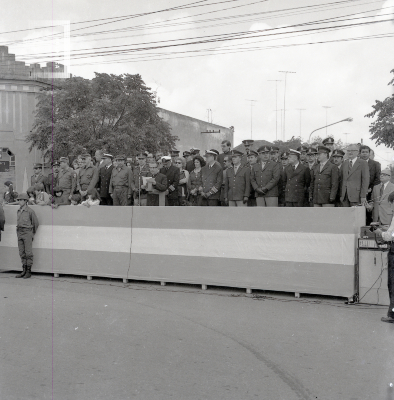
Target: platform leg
x=56 y=275
x=297 y=295
x=125 y=280
x=350 y=299
x=204 y=287
x=248 y=291
x=162 y=283
x=89 y=278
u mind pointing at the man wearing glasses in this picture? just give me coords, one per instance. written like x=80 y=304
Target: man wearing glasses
x=354 y=178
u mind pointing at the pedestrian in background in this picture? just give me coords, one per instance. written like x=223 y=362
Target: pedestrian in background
x=26 y=228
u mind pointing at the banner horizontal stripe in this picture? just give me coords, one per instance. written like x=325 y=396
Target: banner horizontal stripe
x=273 y=219
x=247 y=245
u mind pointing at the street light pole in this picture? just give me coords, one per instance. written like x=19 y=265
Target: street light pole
x=251 y=117
x=346 y=133
x=334 y=123
x=276 y=100
x=326 y=107
x=284 y=104
x=300 y=110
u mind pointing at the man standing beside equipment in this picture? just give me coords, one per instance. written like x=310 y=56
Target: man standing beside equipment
x=26 y=228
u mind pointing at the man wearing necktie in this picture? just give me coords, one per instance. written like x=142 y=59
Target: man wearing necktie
x=237 y=182
x=355 y=179
x=381 y=209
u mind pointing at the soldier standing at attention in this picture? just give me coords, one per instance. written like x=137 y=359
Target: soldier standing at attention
x=284 y=158
x=296 y=178
x=247 y=144
x=265 y=179
x=87 y=176
x=66 y=180
x=237 y=184
x=38 y=176
x=330 y=144
x=274 y=155
x=252 y=160
x=26 y=228
x=121 y=185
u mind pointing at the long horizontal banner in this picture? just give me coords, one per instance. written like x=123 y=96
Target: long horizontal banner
x=301 y=250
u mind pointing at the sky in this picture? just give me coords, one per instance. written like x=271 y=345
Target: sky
x=334 y=71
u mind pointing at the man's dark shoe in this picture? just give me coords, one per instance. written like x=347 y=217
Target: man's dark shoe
x=387 y=319
x=22 y=274
x=28 y=273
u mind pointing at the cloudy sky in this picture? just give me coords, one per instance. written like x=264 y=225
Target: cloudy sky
x=340 y=51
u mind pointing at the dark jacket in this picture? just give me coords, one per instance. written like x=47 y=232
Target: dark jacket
x=296 y=183
x=190 y=166
x=324 y=184
x=161 y=182
x=212 y=179
x=121 y=178
x=221 y=156
x=356 y=181
x=237 y=185
x=266 y=178
x=50 y=182
x=104 y=180
x=281 y=186
x=2 y=220
x=173 y=176
x=374 y=173
x=87 y=178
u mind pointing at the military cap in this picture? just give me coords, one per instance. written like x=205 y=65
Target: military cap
x=186 y=154
x=175 y=153
x=211 y=152
x=107 y=155
x=284 y=155
x=253 y=153
x=64 y=159
x=166 y=158
x=37 y=165
x=194 y=151
x=323 y=149
x=84 y=155
x=328 y=140
x=311 y=151
x=338 y=153
x=302 y=149
x=264 y=149
x=248 y=142
x=55 y=162
x=120 y=157
x=274 y=149
x=294 y=152
x=141 y=156
x=236 y=153
x=57 y=189
x=215 y=151
x=23 y=196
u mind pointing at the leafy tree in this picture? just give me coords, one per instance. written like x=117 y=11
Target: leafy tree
x=382 y=129
x=116 y=113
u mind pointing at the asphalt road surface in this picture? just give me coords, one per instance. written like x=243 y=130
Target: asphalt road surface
x=70 y=338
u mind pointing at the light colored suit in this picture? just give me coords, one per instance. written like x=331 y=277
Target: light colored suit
x=355 y=181
x=382 y=211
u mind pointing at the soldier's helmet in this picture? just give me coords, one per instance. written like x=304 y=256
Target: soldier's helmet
x=23 y=196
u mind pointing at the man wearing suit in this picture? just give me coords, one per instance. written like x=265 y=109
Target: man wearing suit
x=374 y=174
x=281 y=184
x=381 y=209
x=105 y=173
x=252 y=160
x=355 y=179
x=337 y=157
x=173 y=175
x=237 y=182
x=212 y=177
x=226 y=147
x=324 y=180
x=265 y=179
x=297 y=178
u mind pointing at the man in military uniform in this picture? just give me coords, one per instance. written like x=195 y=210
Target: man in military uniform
x=296 y=179
x=26 y=228
x=303 y=150
x=121 y=185
x=38 y=176
x=330 y=144
x=252 y=160
x=248 y=146
x=226 y=148
x=237 y=183
x=311 y=156
x=66 y=179
x=87 y=176
x=139 y=172
x=212 y=177
x=105 y=173
x=284 y=158
x=265 y=179
x=324 y=180
x=173 y=176
x=274 y=155
x=337 y=157
x=51 y=179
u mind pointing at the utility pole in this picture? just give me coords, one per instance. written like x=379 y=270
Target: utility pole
x=276 y=101
x=326 y=107
x=284 y=103
x=301 y=110
x=347 y=133
x=209 y=119
x=251 y=117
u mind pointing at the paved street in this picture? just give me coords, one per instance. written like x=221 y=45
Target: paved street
x=140 y=341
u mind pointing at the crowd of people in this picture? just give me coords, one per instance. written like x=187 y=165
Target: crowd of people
x=318 y=176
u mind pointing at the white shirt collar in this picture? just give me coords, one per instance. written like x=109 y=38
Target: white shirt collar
x=385 y=185
x=296 y=166
x=354 y=160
